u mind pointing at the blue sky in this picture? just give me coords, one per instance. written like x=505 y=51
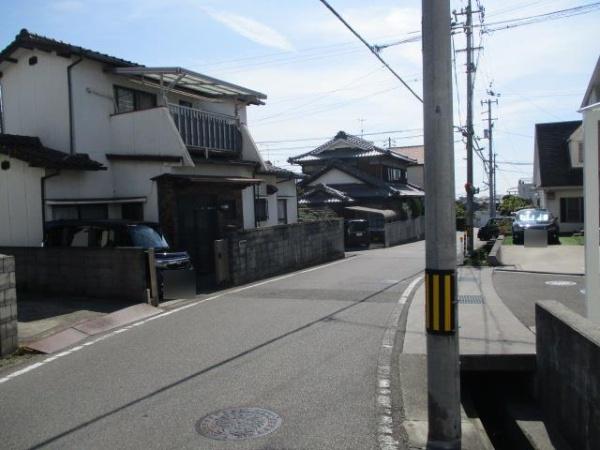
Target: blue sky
x=318 y=77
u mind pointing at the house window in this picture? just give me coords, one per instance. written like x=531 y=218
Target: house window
x=132 y=211
x=571 y=209
x=128 y=100
x=580 y=152
x=261 y=209
x=282 y=218
x=394 y=174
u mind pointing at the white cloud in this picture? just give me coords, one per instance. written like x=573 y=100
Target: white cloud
x=252 y=29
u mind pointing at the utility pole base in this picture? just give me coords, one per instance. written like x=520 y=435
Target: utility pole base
x=438 y=445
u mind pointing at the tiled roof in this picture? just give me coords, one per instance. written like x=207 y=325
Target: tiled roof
x=553 y=154
x=416 y=152
x=280 y=172
x=31 y=150
x=344 y=145
x=25 y=39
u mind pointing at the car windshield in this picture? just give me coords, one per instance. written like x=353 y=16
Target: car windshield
x=147 y=237
x=533 y=216
x=358 y=226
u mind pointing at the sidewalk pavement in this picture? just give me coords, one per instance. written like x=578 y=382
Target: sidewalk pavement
x=490 y=338
x=563 y=259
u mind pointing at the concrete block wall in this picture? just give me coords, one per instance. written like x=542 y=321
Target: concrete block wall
x=116 y=273
x=8 y=306
x=402 y=231
x=264 y=252
x=568 y=373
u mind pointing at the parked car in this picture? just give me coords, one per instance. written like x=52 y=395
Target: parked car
x=118 y=233
x=535 y=219
x=494 y=227
x=356 y=233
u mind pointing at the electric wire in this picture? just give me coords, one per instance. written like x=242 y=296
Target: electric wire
x=371 y=49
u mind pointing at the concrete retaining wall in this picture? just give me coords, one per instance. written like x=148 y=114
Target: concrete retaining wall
x=495 y=255
x=568 y=373
x=117 y=273
x=8 y=306
x=264 y=252
x=404 y=231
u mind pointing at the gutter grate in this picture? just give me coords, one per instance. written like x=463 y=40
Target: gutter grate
x=470 y=299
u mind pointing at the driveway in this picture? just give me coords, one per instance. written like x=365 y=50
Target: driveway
x=567 y=259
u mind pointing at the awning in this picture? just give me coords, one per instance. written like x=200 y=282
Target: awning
x=173 y=77
x=386 y=213
x=235 y=181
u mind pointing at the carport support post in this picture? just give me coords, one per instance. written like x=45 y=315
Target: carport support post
x=591 y=125
x=443 y=375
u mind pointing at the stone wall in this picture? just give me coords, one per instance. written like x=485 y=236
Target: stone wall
x=404 y=231
x=116 y=273
x=568 y=373
x=8 y=306
x=264 y=252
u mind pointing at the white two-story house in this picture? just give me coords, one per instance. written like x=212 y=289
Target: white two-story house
x=85 y=135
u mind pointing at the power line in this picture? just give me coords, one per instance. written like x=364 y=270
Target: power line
x=553 y=15
x=375 y=133
x=371 y=49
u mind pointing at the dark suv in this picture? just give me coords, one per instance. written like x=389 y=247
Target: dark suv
x=494 y=227
x=535 y=219
x=117 y=233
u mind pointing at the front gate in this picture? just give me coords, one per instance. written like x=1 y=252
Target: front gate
x=197 y=231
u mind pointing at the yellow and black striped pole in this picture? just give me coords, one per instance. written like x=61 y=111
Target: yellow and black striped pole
x=440 y=301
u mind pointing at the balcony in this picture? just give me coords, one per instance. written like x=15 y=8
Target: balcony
x=207 y=132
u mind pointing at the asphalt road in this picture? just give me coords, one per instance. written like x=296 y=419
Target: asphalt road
x=304 y=346
x=520 y=290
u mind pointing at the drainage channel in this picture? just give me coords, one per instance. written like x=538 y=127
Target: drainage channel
x=504 y=403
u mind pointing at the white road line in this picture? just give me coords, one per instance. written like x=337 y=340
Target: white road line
x=385 y=422
x=158 y=316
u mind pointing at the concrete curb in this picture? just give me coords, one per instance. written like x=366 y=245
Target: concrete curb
x=565 y=274
x=495 y=256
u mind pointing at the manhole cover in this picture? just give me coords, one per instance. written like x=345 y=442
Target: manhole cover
x=235 y=424
x=560 y=283
x=470 y=299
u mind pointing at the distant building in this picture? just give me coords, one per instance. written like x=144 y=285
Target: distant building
x=415 y=172
x=558 y=171
x=527 y=190
x=348 y=173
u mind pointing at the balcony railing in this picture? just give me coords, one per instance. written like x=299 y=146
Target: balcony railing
x=207 y=131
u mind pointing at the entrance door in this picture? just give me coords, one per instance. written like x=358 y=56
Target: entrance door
x=197 y=229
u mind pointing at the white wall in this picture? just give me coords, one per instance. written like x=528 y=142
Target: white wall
x=20 y=204
x=35 y=100
x=287 y=190
x=415 y=175
x=335 y=176
x=553 y=205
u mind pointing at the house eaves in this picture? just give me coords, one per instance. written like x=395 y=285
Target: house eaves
x=32 y=41
x=30 y=150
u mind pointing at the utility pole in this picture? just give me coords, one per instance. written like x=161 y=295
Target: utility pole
x=443 y=374
x=470 y=69
x=468 y=27
x=491 y=157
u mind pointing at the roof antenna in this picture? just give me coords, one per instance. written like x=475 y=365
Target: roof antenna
x=362 y=131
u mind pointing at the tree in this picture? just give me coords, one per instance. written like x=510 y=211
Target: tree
x=460 y=210
x=512 y=203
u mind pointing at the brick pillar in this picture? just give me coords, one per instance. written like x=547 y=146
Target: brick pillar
x=8 y=306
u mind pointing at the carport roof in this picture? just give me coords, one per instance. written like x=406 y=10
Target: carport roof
x=239 y=181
